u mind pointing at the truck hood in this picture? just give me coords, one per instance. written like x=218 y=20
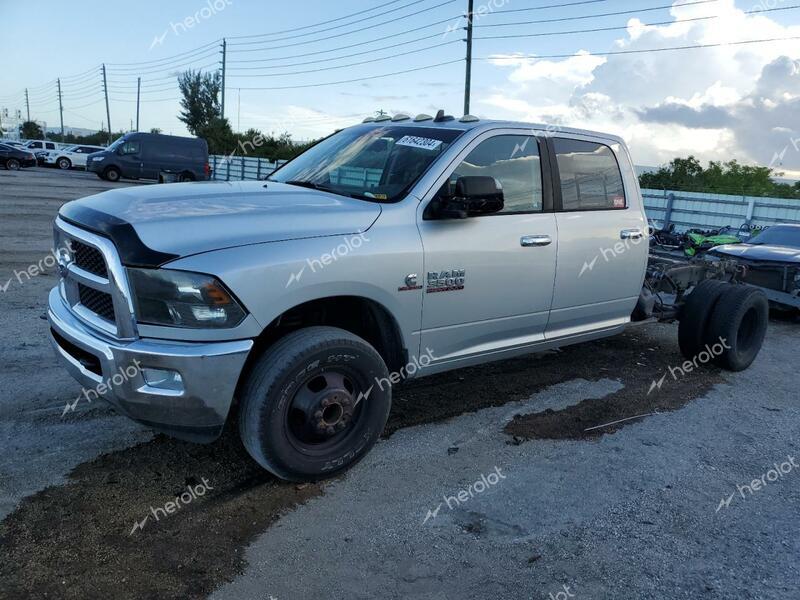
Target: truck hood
x=151 y=225
x=764 y=252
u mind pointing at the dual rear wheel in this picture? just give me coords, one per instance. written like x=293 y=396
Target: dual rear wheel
x=729 y=319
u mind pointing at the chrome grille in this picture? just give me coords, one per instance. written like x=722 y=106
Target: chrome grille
x=94 y=284
x=97 y=302
x=89 y=259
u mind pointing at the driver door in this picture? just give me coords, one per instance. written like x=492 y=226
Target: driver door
x=489 y=279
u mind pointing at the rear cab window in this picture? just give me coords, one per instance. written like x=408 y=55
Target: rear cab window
x=590 y=176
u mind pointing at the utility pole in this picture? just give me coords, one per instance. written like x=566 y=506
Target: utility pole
x=468 y=80
x=108 y=110
x=138 y=95
x=224 y=56
x=27 y=104
x=239 y=112
x=61 y=109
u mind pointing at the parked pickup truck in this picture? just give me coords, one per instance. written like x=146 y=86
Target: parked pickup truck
x=392 y=249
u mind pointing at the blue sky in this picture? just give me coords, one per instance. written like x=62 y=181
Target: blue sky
x=674 y=95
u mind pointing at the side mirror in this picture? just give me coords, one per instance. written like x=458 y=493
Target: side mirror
x=474 y=196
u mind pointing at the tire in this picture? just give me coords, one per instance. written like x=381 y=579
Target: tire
x=12 y=164
x=696 y=315
x=111 y=174
x=312 y=405
x=101 y=176
x=64 y=164
x=740 y=322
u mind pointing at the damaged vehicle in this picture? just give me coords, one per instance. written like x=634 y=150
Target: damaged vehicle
x=771 y=261
x=392 y=249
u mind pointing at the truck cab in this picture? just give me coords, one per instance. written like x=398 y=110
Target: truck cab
x=390 y=250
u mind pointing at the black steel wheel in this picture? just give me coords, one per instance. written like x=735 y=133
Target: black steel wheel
x=313 y=404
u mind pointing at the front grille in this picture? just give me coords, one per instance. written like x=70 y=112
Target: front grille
x=97 y=302
x=89 y=259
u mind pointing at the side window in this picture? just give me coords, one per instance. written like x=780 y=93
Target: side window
x=50 y=146
x=514 y=161
x=130 y=148
x=35 y=145
x=590 y=176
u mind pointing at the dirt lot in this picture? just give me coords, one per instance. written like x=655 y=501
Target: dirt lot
x=652 y=507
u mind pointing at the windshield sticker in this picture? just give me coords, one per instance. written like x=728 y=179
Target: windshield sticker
x=422 y=143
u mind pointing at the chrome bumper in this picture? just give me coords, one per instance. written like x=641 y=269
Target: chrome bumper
x=210 y=373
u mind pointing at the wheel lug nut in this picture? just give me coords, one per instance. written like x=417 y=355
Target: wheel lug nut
x=318 y=414
x=330 y=431
x=326 y=402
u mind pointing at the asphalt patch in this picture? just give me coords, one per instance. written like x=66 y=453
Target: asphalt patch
x=80 y=540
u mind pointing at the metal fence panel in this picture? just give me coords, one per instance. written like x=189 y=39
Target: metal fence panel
x=241 y=168
x=688 y=210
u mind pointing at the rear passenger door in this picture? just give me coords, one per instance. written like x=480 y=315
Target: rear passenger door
x=603 y=246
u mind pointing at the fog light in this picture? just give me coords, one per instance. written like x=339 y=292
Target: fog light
x=163 y=379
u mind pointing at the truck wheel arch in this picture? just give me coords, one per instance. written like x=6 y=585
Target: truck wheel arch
x=361 y=316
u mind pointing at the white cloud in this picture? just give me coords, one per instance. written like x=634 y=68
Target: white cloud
x=718 y=103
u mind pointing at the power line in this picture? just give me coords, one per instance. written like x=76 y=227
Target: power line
x=317 y=24
x=595 y=30
x=295 y=36
x=357 y=45
x=339 y=35
x=564 y=5
x=166 y=58
x=355 y=64
x=642 y=51
x=294 y=87
x=599 y=15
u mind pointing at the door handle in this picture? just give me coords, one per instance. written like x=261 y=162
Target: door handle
x=531 y=241
x=631 y=234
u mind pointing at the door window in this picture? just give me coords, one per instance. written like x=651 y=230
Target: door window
x=514 y=161
x=590 y=176
x=130 y=148
x=35 y=145
x=50 y=146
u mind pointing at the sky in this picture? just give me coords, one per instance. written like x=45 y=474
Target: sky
x=718 y=103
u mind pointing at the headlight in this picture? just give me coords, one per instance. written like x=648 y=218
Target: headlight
x=98 y=158
x=183 y=299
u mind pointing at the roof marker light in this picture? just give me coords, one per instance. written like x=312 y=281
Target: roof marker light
x=469 y=119
x=423 y=117
x=383 y=118
x=369 y=120
x=400 y=117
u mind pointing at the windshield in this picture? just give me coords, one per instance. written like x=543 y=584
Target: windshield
x=778 y=236
x=368 y=162
x=117 y=143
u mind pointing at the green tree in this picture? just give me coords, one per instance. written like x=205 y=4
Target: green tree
x=200 y=99
x=32 y=131
x=687 y=174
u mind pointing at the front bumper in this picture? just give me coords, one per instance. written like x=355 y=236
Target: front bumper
x=210 y=373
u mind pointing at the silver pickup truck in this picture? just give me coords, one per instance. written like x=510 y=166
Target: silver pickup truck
x=392 y=249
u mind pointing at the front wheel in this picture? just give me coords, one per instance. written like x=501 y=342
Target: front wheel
x=112 y=174
x=314 y=404
x=64 y=164
x=12 y=164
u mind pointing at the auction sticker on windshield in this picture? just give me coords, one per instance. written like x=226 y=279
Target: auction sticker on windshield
x=413 y=141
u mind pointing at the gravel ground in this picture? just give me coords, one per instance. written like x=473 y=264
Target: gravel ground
x=485 y=485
